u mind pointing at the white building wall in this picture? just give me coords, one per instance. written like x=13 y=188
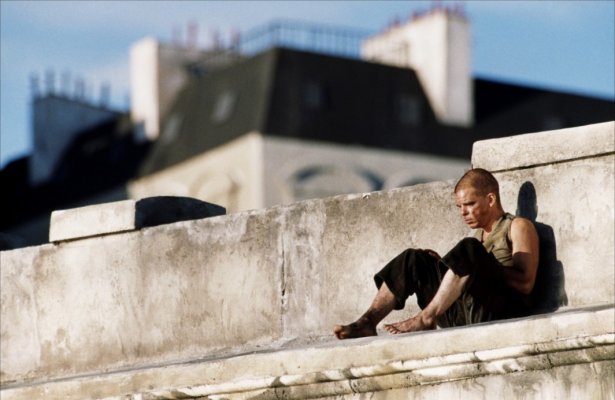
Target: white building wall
x=230 y=175
x=256 y=171
x=460 y=85
x=157 y=74
x=144 y=97
x=298 y=170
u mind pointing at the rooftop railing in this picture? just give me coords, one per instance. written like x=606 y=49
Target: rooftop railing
x=298 y=35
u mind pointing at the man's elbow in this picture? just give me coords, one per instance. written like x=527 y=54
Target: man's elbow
x=522 y=282
x=526 y=286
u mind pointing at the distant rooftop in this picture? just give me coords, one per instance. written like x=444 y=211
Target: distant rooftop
x=306 y=36
x=317 y=38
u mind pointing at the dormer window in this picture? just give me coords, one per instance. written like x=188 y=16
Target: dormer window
x=551 y=122
x=409 y=109
x=225 y=104
x=315 y=95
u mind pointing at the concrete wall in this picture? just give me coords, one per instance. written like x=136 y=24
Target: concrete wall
x=562 y=180
x=229 y=284
x=202 y=287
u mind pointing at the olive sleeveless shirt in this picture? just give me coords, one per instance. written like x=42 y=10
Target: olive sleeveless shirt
x=499 y=243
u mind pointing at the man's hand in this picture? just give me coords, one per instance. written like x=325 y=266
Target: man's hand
x=433 y=254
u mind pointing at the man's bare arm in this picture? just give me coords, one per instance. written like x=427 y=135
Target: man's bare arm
x=525 y=256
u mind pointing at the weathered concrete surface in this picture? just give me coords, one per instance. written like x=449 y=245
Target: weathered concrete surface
x=201 y=287
x=563 y=181
x=332 y=249
x=572 y=206
x=92 y=220
x=536 y=149
x=562 y=355
x=229 y=284
x=154 y=295
x=127 y=215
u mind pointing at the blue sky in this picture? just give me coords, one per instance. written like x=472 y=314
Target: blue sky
x=563 y=45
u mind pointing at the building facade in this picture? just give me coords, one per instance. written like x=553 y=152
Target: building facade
x=280 y=124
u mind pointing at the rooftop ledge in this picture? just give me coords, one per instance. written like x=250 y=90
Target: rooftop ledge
x=134 y=326
x=542 y=148
x=338 y=368
x=126 y=216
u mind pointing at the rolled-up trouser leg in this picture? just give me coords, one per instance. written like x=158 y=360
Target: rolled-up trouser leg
x=411 y=272
x=485 y=297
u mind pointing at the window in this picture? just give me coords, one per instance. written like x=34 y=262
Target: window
x=315 y=96
x=225 y=103
x=317 y=181
x=171 y=129
x=409 y=109
x=551 y=122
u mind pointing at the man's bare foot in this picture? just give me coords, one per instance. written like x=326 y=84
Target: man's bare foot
x=413 y=324
x=360 y=328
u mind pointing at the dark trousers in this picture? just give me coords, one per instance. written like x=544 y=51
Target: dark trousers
x=486 y=296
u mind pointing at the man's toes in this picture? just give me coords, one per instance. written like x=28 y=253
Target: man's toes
x=391 y=329
x=338 y=331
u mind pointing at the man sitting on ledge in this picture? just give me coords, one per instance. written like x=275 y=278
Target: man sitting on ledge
x=481 y=279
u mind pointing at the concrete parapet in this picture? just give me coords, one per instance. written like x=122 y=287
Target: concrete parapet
x=562 y=355
x=127 y=215
x=171 y=292
x=543 y=148
x=564 y=182
x=208 y=288
x=92 y=221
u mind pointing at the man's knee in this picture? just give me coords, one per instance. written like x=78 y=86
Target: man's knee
x=470 y=244
x=462 y=258
x=411 y=254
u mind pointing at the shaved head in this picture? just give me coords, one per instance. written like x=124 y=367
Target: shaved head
x=481 y=180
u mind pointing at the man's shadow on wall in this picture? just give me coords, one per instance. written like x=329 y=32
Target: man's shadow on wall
x=549 y=291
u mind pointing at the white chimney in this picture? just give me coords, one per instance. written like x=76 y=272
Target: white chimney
x=437 y=45
x=157 y=75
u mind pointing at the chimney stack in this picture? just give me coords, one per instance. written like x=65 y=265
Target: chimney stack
x=438 y=46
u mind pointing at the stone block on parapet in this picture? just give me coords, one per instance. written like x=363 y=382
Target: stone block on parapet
x=533 y=149
x=127 y=215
